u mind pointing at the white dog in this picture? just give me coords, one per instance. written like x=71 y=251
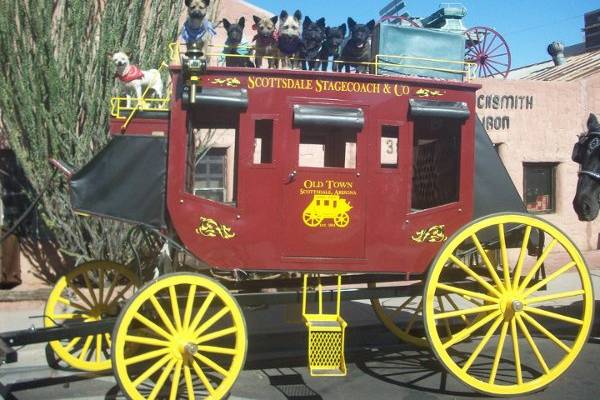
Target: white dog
x=136 y=80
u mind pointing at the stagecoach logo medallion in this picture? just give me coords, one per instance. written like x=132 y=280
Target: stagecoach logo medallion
x=211 y=228
x=429 y=92
x=230 y=82
x=432 y=235
x=327 y=206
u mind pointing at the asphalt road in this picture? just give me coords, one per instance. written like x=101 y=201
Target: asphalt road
x=378 y=368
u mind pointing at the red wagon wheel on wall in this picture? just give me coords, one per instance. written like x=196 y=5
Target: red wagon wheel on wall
x=488 y=50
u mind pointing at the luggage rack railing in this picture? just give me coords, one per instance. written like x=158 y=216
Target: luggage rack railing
x=466 y=69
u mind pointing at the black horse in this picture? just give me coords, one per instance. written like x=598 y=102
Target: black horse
x=586 y=152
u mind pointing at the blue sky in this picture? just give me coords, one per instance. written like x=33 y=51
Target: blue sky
x=527 y=25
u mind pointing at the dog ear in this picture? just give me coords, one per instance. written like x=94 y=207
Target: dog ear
x=343 y=29
x=127 y=52
x=321 y=22
x=109 y=55
x=298 y=15
x=351 y=23
x=207 y=2
x=307 y=22
x=371 y=25
x=226 y=24
x=592 y=123
x=327 y=29
x=242 y=22
x=187 y=3
x=283 y=16
x=274 y=19
x=256 y=19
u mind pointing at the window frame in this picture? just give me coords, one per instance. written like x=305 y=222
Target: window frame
x=553 y=165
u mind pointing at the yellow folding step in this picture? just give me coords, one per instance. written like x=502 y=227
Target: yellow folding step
x=325 y=335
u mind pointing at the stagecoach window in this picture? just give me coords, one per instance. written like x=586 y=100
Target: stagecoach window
x=436 y=162
x=263 y=141
x=211 y=163
x=389 y=146
x=539 y=187
x=324 y=147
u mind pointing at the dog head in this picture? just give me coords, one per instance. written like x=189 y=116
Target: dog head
x=265 y=26
x=334 y=36
x=197 y=9
x=289 y=25
x=360 y=33
x=235 y=32
x=313 y=32
x=120 y=59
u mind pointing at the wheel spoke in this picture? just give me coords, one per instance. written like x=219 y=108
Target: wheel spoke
x=175 y=307
x=546 y=332
x=211 y=321
x=550 y=278
x=554 y=296
x=209 y=387
x=107 y=338
x=86 y=278
x=465 y=333
x=120 y=294
x=72 y=344
x=162 y=314
x=113 y=284
x=499 y=350
x=537 y=265
x=453 y=304
x=217 y=350
x=210 y=363
x=216 y=335
x=468 y=311
x=162 y=379
x=482 y=344
x=152 y=326
x=98 y=347
x=86 y=347
x=446 y=323
x=101 y=285
x=188 y=382
x=175 y=381
x=474 y=275
x=515 y=340
x=551 y=314
x=402 y=306
x=147 y=356
x=466 y=293
x=146 y=340
x=189 y=307
x=413 y=318
x=488 y=263
x=535 y=349
x=504 y=256
x=82 y=297
x=150 y=371
x=72 y=304
x=202 y=311
x=522 y=254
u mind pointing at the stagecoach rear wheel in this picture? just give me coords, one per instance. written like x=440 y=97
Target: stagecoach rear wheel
x=342 y=220
x=90 y=292
x=311 y=219
x=189 y=340
x=515 y=304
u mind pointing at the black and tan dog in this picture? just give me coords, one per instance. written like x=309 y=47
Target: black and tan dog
x=240 y=57
x=357 y=49
x=289 y=41
x=332 y=47
x=265 y=41
x=313 y=36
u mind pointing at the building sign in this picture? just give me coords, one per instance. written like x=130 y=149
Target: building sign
x=490 y=103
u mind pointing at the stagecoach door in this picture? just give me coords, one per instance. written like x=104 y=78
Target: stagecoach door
x=324 y=183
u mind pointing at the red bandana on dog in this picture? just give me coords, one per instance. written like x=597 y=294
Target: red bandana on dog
x=134 y=72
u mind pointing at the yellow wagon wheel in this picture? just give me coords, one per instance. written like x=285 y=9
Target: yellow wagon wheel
x=403 y=316
x=190 y=340
x=311 y=219
x=517 y=304
x=89 y=292
x=342 y=220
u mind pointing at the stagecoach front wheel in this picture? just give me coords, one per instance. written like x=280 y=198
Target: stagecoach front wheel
x=181 y=336
x=312 y=219
x=529 y=326
x=90 y=292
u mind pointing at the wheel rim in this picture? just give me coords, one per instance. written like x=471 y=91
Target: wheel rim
x=342 y=220
x=404 y=316
x=311 y=219
x=190 y=338
x=510 y=305
x=488 y=50
x=88 y=293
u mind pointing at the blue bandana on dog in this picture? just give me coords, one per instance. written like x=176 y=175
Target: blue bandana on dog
x=190 y=35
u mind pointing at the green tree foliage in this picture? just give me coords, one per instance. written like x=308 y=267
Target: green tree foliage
x=55 y=86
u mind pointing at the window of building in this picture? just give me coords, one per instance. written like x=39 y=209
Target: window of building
x=436 y=162
x=389 y=146
x=539 y=187
x=327 y=148
x=263 y=141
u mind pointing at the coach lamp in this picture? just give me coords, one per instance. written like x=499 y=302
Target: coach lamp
x=194 y=65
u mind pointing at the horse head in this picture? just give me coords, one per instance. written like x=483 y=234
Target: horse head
x=586 y=153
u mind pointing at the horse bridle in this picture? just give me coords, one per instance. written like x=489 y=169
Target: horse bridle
x=580 y=143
